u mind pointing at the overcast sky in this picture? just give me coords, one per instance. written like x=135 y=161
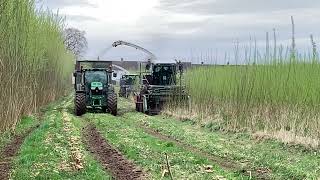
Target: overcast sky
x=187 y=28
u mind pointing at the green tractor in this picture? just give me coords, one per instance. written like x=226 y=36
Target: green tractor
x=127 y=84
x=160 y=86
x=93 y=88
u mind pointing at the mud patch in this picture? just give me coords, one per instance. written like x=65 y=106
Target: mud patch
x=109 y=157
x=10 y=151
x=225 y=163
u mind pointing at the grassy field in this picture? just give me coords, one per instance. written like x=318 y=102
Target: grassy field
x=193 y=152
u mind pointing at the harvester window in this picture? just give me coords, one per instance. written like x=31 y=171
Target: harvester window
x=157 y=69
x=163 y=75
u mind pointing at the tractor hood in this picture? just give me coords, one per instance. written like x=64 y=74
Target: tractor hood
x=96 y=85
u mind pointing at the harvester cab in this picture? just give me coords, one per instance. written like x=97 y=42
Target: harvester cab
x=163 y=84
x=127 y=84
x=93 y=87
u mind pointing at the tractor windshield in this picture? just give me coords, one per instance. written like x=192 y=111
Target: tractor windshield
x=96 y=76
x=164 y=75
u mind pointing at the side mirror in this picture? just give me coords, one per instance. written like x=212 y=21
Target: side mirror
x=115 y=75
x=74 y=74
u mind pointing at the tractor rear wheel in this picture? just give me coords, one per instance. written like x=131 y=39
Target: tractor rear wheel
x=80 y=104
x=112 y=104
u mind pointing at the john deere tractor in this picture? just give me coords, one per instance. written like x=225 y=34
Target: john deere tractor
x=93 y=88
x=160 y=86
x=127 y=84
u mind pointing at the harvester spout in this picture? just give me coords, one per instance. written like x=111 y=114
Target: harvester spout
x=151 y=57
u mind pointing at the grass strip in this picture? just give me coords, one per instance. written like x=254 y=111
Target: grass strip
x=283 y=161
x=54 y=149
x=149 y=152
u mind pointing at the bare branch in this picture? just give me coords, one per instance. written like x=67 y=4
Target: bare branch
x=75 y=41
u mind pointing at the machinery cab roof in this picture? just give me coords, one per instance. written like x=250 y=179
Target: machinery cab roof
x=93 y=65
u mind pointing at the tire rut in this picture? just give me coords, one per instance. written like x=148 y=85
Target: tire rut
x=110 y=158
x=11 y=150
x=225 y=163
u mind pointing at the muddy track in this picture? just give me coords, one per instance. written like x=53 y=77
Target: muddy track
x=10 y=151
x=109 y=157
x=225 y=163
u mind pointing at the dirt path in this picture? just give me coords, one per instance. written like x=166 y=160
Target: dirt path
x=109 y=157
x=225 y=163
x=10 y=151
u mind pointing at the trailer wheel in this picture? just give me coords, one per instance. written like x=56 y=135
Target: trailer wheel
x=112 y=104
x=80 y=104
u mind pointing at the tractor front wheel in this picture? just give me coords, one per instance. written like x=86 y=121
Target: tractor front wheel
x=80 y=104
x=112 y=104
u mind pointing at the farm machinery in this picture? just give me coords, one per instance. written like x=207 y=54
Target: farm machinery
x=93 y=88
x=127 y=84
x=160 y=86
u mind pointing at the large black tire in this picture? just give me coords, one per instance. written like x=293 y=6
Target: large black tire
x=112 y=104
x=80 y=104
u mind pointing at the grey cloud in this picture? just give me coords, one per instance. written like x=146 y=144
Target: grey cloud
x=207 y=7
x=188 y=25
x=220 y=24
x=80 y=18
x=55 y=4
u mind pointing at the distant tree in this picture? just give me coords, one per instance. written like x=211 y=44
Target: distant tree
x=75 y=41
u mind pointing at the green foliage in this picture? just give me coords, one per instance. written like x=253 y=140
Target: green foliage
x=272 y=97
x=289 y=84
x=34 y=64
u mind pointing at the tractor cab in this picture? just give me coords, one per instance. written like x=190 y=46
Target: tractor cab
x=96 y=86
x=96 y=77
x=162 y=74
